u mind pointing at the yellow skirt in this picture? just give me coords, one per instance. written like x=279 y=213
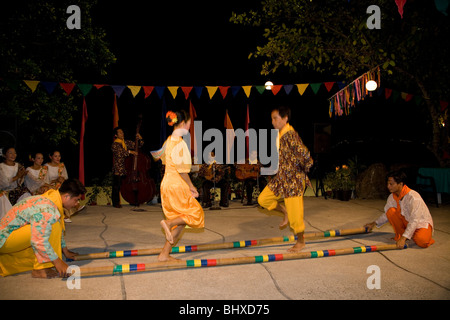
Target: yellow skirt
x=17 y=255
x=177 y=201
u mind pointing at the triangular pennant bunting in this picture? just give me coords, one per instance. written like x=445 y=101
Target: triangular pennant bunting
x=224 y=90
x=160 y=91
x=315 y=87
x=134 y=90
x=49 y=86
x=288 y=88
x=67 y=87
x=247 y=90
x=147 y=90
x=118 y=90
x=85 y=88
x=198 y=91
x=235 y=90
x=211 y=90
x=302 y=87
x=260 y=89
x=329 y=85
x=186 y=91
x=340 y=103
x=387 y=93
x=32 y=84
x=173 y=90
x=276 y=88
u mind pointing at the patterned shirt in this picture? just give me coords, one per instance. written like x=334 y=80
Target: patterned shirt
x=41 y=213
x=294 y=162
x=120 y=154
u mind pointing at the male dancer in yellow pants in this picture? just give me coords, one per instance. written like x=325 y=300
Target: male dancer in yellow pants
x=289 y=182
x=31 y=233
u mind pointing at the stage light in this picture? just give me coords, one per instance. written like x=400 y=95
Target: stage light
x=269 y=85
x=371 y=85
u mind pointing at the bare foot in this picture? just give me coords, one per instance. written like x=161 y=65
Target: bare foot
x=166 y=258
x=284 y=223
x=47 y=273
x=297 y=247
x=169 y=237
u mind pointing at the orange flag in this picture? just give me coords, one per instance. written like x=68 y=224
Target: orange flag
x=230 y=137
x=193 y=115
x=115 y=113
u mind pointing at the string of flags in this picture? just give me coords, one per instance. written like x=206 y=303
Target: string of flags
x=354 y=92
x=84 y=88
x=340 y=103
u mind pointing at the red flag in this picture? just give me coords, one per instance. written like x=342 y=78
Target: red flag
x=68 y=87
x=81 y=160
x=276 y=89
x=186 y=91
x=148 y=90
x=387 y=92
x=193 y=115
x=329 y=85
x=224 y=90
x=115 y=113
x=400 y=4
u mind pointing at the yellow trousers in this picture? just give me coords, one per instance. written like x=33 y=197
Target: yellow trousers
x=294 y=207
x=17 y=255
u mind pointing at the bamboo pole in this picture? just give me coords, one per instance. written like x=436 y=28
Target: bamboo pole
x=184 y=264
x=218 y=246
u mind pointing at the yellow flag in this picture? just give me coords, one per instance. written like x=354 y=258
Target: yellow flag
x=247 y=90
x=173 y=91
x=32 y=84
x=403 y=95
x=302 y=87
x=134 y=90
x=211 y=90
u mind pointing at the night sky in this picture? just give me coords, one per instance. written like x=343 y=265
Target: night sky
x=193 y=43
x=187 y=44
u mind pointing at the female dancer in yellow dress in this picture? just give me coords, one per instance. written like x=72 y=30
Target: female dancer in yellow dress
x=177 y=191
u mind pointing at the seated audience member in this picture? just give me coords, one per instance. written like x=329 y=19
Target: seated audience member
x=37 y=178
x=12 y=173
x=57 y=174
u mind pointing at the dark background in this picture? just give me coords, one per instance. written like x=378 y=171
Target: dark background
x=192 y=43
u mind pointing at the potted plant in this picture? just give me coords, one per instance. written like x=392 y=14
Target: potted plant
x=93 y=193
x=342 y=182
x=107 y=187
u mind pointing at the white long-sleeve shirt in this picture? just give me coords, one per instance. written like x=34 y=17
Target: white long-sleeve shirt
x=413 y=208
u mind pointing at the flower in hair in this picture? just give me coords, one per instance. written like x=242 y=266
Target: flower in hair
x=171 y=118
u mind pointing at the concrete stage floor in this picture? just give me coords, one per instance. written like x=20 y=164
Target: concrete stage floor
x=414 y=273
